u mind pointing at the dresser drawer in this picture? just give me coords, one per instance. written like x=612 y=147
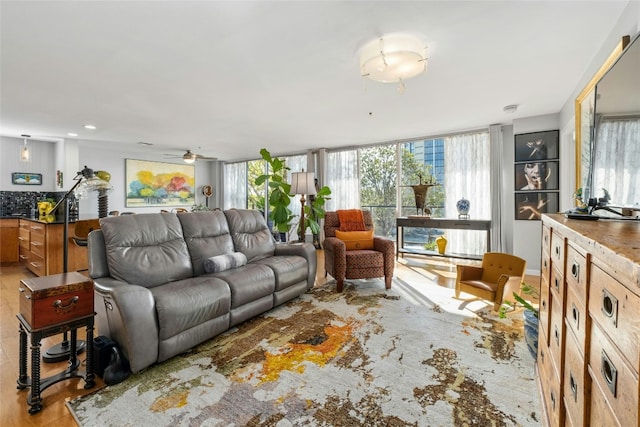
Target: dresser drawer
x=24 y=237
x=617 y=312
x=544 y=307
x=545 y=265
x=577 y=272
x=546 y=238
x=549 y=386
x=557 y=250
x=36 y=264
x=576 y=318
x=575 y=384
x=557 y=286
x=600 y=413
x=38 y=244
x=556 y=337
x=617 y=382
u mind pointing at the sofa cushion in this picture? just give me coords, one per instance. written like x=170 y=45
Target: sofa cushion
x=146 y=249
x=224 y=262
x=248 y=283
x=187 y=303
x=250 y=233
x=207 y=235
x=289 y=270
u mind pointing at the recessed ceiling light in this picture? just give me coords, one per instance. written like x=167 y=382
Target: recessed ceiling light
x=72 y=134
x=92 y=127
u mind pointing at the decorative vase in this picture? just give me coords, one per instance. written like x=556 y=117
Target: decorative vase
x=531 y=331
x=463 y=207
x=442 y=244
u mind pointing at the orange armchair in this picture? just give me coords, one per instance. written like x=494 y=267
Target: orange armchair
x=496 y=280
x=356 y=264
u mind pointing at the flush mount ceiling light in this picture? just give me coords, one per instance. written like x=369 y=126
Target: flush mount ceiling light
x=393 y=59
x=510 y=109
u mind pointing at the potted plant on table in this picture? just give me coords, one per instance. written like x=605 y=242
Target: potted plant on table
x=279 y=189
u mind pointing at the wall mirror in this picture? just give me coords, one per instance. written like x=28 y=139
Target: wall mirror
x=615 y=160
x=584 y=117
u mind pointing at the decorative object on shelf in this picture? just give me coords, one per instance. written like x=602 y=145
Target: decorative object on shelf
x=302 y=183
x=463 y=206
x=442 y=244
x=25 y=178
x=25 y=152
x=420 y=193
x=59 y=180
x=393 y=58
x=207 y=191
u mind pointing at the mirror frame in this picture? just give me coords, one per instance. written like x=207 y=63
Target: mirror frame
x=585 y=94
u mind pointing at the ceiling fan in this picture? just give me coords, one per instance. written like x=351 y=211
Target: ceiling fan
x=190 y=157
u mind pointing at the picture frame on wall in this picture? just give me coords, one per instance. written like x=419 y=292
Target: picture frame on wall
x=537 y=146
x=26 y=178
x=537 y=176
x=159 y=184
x=531 y=205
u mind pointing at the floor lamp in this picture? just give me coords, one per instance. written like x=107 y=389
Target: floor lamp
x=302 y=183
x=86 y=182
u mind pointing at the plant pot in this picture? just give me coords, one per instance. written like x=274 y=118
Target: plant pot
x=531 y=331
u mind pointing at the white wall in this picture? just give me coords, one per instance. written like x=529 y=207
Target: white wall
x=42 y=161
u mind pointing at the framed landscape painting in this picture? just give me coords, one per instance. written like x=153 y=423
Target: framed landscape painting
x=159 y=184
x=25 y=178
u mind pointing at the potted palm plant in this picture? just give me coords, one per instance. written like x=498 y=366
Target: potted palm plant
x=279 y=189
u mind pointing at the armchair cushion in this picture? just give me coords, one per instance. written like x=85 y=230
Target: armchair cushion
x=356 y=240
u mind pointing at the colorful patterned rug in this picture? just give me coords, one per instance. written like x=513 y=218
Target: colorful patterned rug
x=410 y=356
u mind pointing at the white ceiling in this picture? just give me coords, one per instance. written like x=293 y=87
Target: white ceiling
x=227 y=78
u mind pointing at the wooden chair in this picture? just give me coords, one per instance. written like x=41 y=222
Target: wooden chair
x=356 y=264
x=496 y=280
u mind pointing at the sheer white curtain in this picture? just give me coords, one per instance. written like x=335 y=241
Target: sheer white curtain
x=235 y=185
x=467 y=174
x=342 y=177
x=495 y=143
x=617 y=160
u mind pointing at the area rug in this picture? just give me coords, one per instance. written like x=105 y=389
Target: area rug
x=409 y=356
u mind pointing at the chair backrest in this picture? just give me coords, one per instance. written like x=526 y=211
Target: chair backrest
x=332 y=223
x=495 y=264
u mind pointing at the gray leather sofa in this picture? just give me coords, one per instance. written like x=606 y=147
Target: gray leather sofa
x=153 y=295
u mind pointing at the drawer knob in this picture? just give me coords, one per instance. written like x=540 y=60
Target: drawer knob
x=556 y=283
x=65 y=307
x=575 y=270
x=544 y=303
x=557 y=249
x=574 y=387
x=553 y=401
x=556 y=334
x=609 y=306
x=609 y=373
x=575 y=314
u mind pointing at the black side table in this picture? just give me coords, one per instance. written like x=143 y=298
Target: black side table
x=35 y=382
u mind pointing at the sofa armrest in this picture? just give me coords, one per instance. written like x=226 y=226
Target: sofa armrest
x=468 y=272
x=305 y=250
x=335 y=257
x=507 y=285
x=126 y=313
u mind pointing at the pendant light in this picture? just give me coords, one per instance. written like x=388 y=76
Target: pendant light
x=25 y=152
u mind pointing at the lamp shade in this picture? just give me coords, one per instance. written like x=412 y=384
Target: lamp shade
x=393 y=58
x=303 y=183
x=90 y=182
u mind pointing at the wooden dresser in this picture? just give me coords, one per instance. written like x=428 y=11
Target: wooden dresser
x=41 y=248
x=589 y=337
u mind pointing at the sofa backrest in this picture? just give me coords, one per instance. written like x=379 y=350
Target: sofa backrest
x=146 y=249
x=207 y=235
x=250 y=233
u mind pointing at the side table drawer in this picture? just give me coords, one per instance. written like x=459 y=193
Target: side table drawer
x=50 y=300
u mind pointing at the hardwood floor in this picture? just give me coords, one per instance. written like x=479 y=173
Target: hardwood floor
x=13 y=405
